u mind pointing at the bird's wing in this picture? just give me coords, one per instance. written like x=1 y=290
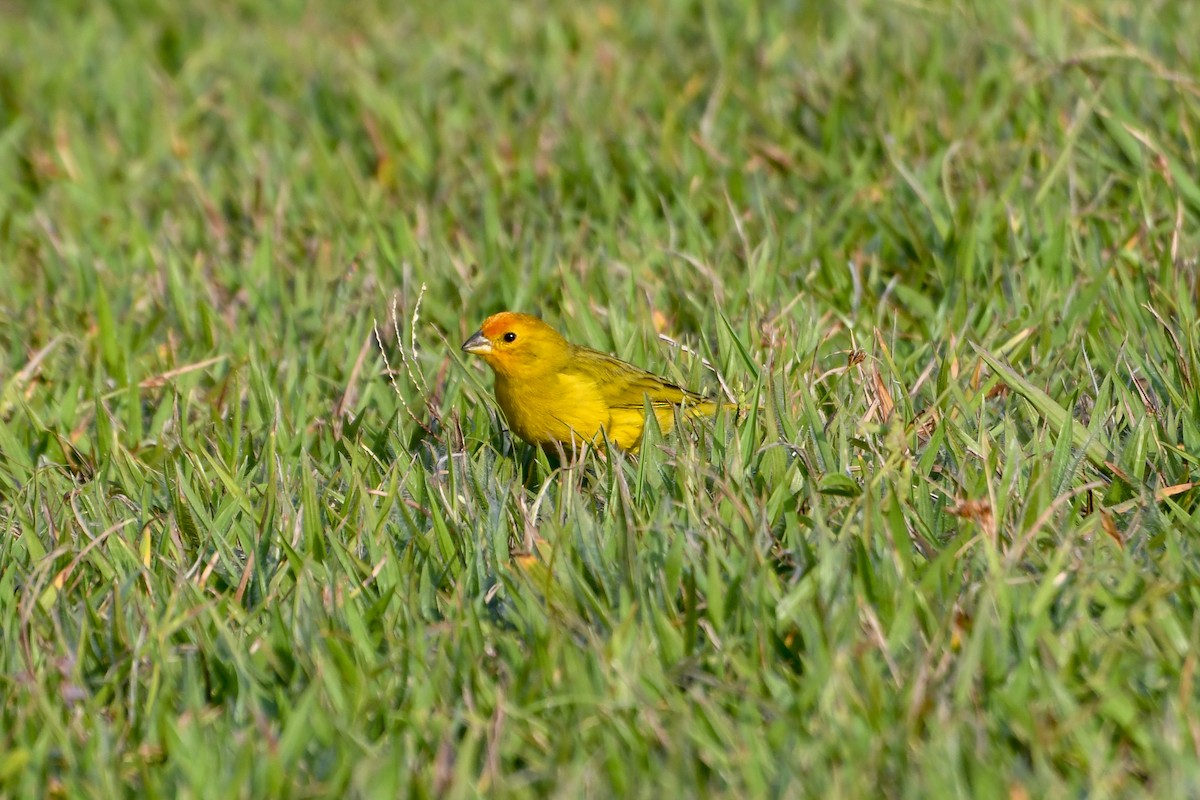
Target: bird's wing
x=623 y=385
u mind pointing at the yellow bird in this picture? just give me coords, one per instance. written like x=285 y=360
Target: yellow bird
x=554 y=393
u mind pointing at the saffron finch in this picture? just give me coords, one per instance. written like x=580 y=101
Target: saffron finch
x=557 y=394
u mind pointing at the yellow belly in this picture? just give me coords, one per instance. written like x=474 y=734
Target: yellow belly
x=570 y=412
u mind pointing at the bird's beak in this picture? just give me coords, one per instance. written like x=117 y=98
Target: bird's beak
x=477 y=344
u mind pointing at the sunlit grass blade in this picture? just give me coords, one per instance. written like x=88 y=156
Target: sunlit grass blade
x=1055 y=415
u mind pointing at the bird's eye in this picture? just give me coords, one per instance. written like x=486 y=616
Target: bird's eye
x=510 y=337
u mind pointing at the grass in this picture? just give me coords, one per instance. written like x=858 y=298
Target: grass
x=944 y=253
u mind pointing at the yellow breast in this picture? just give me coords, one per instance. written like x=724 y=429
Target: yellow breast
x=570 y=409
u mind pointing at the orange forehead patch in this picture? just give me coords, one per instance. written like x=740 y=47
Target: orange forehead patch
x=497 y=324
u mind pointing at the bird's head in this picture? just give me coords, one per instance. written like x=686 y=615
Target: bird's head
x=518 y=345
